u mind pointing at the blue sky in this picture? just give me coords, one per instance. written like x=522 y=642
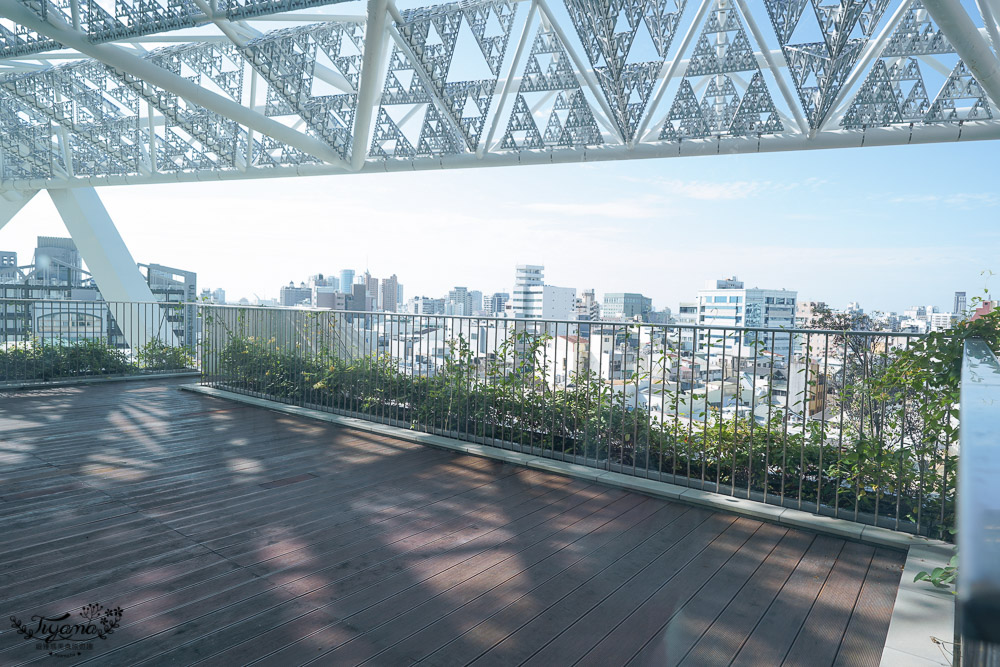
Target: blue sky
x=888 y=227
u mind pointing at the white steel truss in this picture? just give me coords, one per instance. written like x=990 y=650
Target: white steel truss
x=139 y=91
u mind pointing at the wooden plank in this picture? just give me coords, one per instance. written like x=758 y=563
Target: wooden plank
x=774 y=634
x=523 y=576
x=592 y=626
x=869 y=624
x=684 y=538
x=391 y=593
x=721 y=642
x=392 y=619
x=674 y=617
x=360 y=574
x=499 y=624
x=819 y=637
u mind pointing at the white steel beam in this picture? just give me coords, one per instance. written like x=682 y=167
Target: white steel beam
x=872 y=51
x=898 y=135
x=667 y=71
x=11 y=203
x=585 y=72
x=508 y=82
x=112 y=266
x=371 y=69
x=990 y=23
x=775 y=61
x=424 y=77
x=125 y=62
x=968 y=42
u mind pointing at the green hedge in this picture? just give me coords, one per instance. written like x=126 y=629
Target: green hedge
x=37 y=362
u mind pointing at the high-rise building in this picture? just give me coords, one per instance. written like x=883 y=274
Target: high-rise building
x=176 y=286
x=496 y=303
x=687 y=314
x=458 y=302
x=327 y=297
x=371 y=286
x=528 y=280
x=626 y=306
x=57 y=262
x=422 y=305
x=558 y=303
x=320 y=280
x=727 y=304
x=960 y=305
x=587 y=306
x=8 y=267
x=805 y=313
x=346 y=280
x=534 y=299
x=291 y=295
x=942 y=321
x=390 y=293
x=475 y=302
x=360 y=299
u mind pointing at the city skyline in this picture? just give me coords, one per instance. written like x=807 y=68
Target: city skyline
x=882 y=246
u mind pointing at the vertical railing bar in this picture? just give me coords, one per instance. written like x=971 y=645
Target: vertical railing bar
x=861 y=424
x=738 y=375
x=785 y=419
x=770 y=411
x=705 y=411
x=902 y=446
x=720 y=417
x=805 y=414
x=822 y=426
x=753 y=413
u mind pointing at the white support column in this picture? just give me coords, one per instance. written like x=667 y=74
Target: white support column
x=112 y=266
x=968 y=43
x=371 y=69
x=11 y=203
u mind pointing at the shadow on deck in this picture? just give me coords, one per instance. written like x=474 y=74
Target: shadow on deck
x=235 y=535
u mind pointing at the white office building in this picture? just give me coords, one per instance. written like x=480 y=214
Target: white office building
x=728 y=304
x=527 y=298
x=534 y=299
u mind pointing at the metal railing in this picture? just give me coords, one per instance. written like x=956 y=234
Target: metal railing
x=45 y=340
x=979 y=508
x=797 y=418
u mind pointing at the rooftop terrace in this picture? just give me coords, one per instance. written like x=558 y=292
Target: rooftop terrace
x=233 y=534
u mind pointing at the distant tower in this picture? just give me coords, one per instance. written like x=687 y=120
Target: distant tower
x=346 y=280
x=959 y=303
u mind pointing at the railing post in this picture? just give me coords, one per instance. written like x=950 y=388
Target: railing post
x=978 y=519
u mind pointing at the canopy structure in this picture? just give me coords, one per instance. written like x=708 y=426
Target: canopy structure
x=138 y=91
x=103 y=92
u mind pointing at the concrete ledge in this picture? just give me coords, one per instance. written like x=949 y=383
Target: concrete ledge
x=69 y=382
x=922 y=613
x=791 y=517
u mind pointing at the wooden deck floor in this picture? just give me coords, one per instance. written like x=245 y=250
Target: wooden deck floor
x=235 y=535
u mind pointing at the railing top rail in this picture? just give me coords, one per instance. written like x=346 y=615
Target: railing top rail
x=91 y=302
x=593 y=323
x=978 y=521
